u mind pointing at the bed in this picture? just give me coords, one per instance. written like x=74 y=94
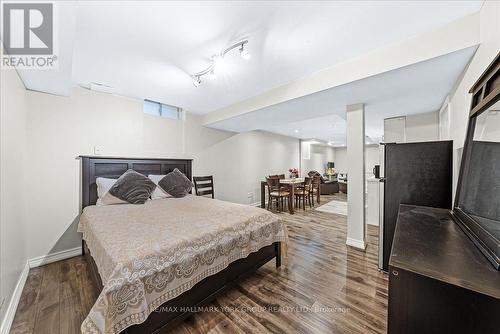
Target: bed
x=153 y=264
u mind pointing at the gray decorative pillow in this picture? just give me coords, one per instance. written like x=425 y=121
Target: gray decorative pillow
x=132 y=187
x=176 y=184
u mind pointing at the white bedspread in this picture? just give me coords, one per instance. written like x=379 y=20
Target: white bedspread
x=148 y=254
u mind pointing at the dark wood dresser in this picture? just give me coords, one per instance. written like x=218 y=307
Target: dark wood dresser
x=439 y=281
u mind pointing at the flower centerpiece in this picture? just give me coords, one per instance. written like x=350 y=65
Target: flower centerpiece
x=294 y=172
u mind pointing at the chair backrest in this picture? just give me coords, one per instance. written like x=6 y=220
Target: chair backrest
x=204 y=185
x=274 y=176
x=315 y=173
x=307 y=183
x=273 y=183
x=316 y=181
x=281 y=176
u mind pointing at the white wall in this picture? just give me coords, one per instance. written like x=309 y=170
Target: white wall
x=371 y=159
x=198 y=138
x=59 y=129
x=341 y=160
x=412 y=128
x=318 y=157
x=240 y=162
x=395 y=130
x=444 y=120
x=422 y=127
x=460 y=98
x=13 y=164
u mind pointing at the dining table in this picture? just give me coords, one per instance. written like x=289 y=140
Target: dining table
x=292 y=183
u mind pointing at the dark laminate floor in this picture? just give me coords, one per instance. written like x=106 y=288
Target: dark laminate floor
x=322 y=287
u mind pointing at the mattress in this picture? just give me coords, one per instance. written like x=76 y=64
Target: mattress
x=151 y=253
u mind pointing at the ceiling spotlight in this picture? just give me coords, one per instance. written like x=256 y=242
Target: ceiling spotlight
x=217 y=62
x=244 y=52
x=196 y=81
x=296 y=131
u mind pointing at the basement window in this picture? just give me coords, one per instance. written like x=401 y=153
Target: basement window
x=154 y=108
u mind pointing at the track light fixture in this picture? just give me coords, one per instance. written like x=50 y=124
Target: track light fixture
x=196 y=81
x=244 y=52
x=217 y=62
x=212 y=75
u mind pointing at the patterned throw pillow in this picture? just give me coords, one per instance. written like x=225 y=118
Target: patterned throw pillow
x=176 y=184
x=132 y=187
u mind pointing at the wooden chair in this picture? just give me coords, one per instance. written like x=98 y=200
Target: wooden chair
x=204 y=185
x=275 y=191
x=315 y=188
x=281 y=177
x=303 y=192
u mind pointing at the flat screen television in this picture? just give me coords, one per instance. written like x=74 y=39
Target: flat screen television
x=477 y=202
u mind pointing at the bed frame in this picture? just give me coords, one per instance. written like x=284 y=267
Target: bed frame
x=172 y=312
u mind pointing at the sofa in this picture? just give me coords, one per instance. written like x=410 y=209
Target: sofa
x=326 y=187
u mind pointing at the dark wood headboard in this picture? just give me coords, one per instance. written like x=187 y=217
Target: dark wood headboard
x=109 y=167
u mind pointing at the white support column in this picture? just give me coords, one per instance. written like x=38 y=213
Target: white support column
x=356 y=176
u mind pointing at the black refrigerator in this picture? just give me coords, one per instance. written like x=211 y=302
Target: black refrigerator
x=412 y=173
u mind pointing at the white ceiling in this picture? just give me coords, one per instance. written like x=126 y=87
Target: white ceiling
x=148 y=49
x=413 y=89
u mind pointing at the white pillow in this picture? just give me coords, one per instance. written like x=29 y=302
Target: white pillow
x=103 y=186
x=158 y=192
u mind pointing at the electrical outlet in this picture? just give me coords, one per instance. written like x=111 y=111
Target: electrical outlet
x=97 y=150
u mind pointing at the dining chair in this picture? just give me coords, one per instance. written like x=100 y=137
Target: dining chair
x=281 y=177
x=303 y=192
x=275 y=191
x=315 y=188
x=204 y=185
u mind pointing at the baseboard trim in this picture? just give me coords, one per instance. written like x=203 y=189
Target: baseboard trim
x=54 y=257
x=359 y=244
x=32 y=263
x=14 y=301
